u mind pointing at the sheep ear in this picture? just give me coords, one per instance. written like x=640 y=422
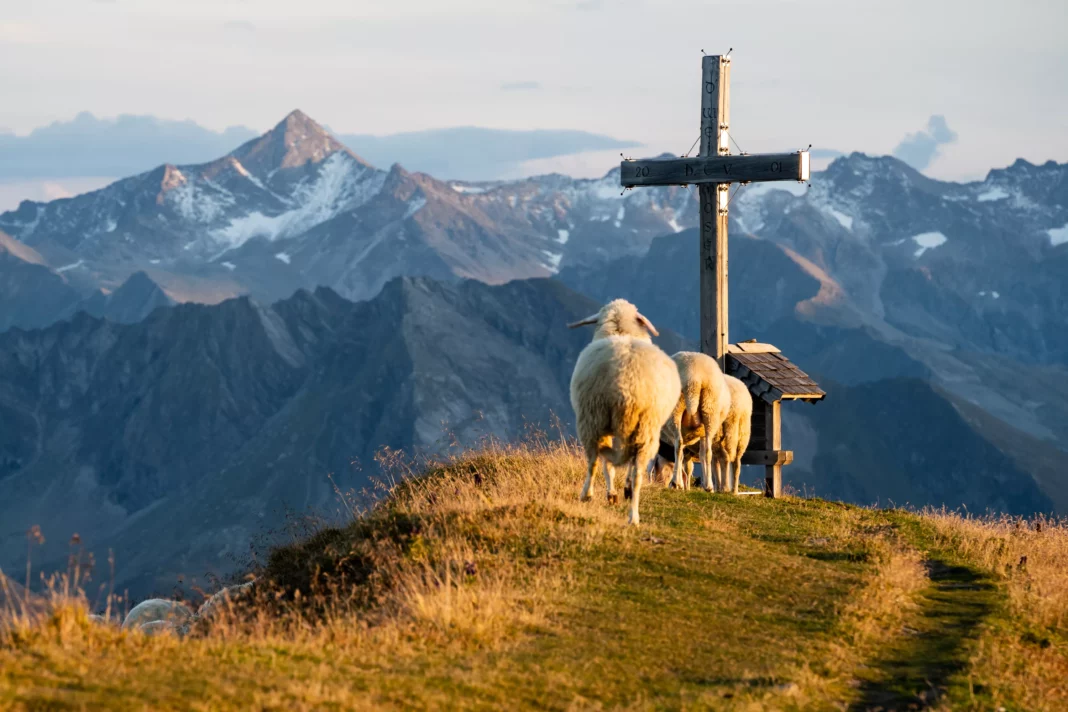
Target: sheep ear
x=647 y=324
x=591 y=319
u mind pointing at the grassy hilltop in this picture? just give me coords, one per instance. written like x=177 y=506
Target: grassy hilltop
x=486 y=584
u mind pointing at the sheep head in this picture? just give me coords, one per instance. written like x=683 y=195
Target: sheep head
x=619 y=318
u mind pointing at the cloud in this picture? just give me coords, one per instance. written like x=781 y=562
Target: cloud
x=18 y=33
x=50 y=157
x=520 y=86
x=472 y=153
x=920 y=149
x=13 y=193
x=239 y=26
x=88 y=146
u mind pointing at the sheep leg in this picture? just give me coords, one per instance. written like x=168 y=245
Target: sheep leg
x=737 y=474
x=706 y=463
x=591 y=465
x=680 y=451
x=689 y=473
x=632 y=516
x=610 y=482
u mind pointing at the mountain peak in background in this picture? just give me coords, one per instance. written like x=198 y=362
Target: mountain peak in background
x=81 y=153
x=294 y=142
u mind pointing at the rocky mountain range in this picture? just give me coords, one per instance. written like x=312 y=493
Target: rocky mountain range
x=335 y=319
x=178 y=440
x=295 y=208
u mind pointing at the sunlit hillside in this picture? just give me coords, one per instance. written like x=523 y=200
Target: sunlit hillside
x=483 y=582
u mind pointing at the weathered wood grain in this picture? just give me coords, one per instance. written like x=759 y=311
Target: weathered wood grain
x=767 y=457
x=698 y=170
x=773 y=441
x=752 y=347
x=715 y=113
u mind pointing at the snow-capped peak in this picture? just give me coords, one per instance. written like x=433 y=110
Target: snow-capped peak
x=295 y=141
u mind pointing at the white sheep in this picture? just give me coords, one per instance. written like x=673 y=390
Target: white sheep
x=623 y=388
x=734 y=435
x=698 y=415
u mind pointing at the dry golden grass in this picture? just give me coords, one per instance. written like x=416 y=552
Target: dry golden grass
x=468 y=546
x=1031 y=557
x=482 y=582
x=1022 y=657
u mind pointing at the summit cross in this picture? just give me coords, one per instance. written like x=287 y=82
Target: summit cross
x=713 y=170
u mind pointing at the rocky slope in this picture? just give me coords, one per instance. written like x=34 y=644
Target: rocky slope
x=180 y=439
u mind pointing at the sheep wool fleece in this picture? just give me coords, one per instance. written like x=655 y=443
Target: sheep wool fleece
x=624 y=388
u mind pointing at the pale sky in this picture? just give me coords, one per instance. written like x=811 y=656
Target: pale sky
x=850 y=75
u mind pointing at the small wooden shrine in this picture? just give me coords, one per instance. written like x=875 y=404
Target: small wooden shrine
x=771 y=378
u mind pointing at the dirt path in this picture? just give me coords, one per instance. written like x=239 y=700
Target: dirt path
x=916 y=671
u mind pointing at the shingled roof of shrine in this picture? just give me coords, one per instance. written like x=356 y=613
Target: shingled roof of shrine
x=769 y=375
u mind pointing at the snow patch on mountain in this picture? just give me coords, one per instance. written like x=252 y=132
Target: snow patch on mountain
x=562 y=236
x=415 y=206
x=607 y=188
x=201 y=204
x=994 y=193
x=673 y=223
x=1058 y=235
x=73 y=265
x=554 y=260
x=251 y=178
x=473 y=189
x=927 y=241
x=340 y=184
x=843 y=219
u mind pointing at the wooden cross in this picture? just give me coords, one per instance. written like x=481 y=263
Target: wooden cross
x=713 y=170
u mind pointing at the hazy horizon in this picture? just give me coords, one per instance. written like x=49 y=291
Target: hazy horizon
x=955 y=88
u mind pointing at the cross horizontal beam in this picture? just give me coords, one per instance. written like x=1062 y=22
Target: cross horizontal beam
x=715 y=169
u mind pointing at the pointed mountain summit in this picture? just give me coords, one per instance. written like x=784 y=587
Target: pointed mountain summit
x=135 y=299
x=295 y=141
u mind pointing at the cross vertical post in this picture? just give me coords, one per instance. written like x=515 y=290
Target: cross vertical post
x=761 y=367
x=715 y=123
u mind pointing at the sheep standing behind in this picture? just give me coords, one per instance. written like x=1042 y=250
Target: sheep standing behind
x=663 y=465
x=734 y=435
x=699 y=413
x=623 y=388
